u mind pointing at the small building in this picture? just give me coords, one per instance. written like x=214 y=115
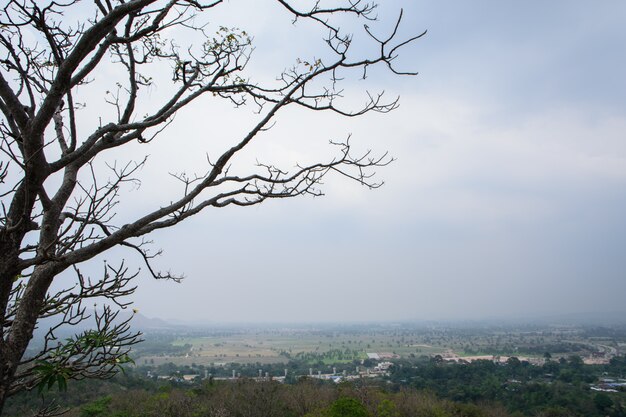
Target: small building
x=383 y=366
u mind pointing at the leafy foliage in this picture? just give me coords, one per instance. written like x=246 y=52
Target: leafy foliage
x=50 y=373
x=347 y=407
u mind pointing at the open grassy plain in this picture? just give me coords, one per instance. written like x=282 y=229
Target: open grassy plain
x=347 y=344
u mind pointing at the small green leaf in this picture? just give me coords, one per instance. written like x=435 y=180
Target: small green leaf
x=62 y=382
x=50 y=381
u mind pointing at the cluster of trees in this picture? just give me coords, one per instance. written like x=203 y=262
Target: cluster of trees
x=561 y=387
x=246 y=398
x=294 y=369
x=159 y=349
x=332 y=355
x=528 y=349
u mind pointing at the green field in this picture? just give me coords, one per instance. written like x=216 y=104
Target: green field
x=280 y=346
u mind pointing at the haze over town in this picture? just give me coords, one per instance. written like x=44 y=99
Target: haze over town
x=506 y=199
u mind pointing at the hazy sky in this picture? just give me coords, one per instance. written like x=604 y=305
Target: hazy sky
x=507 y=197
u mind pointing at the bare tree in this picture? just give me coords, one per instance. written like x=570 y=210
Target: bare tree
x=58 y=209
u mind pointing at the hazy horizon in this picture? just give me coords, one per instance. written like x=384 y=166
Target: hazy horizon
x=609 y=318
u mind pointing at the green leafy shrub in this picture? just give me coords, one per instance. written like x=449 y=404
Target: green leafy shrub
x=347 y=407
x=96 y=408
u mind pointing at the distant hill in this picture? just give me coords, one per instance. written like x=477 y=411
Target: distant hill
x=141 y=322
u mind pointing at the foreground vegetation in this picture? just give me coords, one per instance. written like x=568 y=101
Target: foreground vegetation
x=247 y=398
x=428 y=387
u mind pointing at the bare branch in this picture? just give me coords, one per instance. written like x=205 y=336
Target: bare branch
x=61 y=190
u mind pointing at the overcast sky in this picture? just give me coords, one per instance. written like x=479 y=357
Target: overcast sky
x=507 y=198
